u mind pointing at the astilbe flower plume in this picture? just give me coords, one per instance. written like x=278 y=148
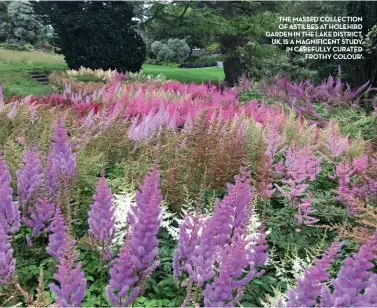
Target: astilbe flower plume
x=101 y=216
x=138 y=258
x=309 y=287
x=122 y=289
x=58 y=234
x=29 y=178
x=72 y=282
x=144 y=223
x=227 y=220
x=40 y=216
x=9 y=214
x=234 y=260
x=355 y=285
x=61 y=163
x=7 y=262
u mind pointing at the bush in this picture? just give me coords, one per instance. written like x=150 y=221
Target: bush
x=198 y=65
x=174 y=51
x=97 y=35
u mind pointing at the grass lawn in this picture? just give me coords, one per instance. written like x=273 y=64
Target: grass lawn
x=15 y=65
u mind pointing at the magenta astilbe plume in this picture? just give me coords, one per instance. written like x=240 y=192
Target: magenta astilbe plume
x=29 y=177
x=235 y=259
x=9 y=214
x=122 y=289
x=72 y=283
x=355 y=284
x=101 y=215
x=144 y=219
x=40 y=216
x=305 y=209
x=57 y=237
x=309 y=287
x=7 y=263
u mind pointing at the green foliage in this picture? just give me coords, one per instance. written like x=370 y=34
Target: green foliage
x=174 y=51
x=96 y=34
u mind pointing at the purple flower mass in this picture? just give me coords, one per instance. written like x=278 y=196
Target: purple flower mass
x=29 y=177
x=9 y=214
x=40 y=216
x=58 y=236
x=7 y=263
x=144 y=223
x=72 y=282
x=61 y=162
x=309 y=287
x=101 y=215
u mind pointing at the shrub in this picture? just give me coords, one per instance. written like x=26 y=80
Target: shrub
x=97 y=35
x=197 y=65
x=174 y=51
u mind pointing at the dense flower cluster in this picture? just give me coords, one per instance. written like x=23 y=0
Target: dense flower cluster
x=7 y=263
x=58 y=234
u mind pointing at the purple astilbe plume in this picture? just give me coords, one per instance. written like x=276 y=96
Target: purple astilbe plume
x=228 y=219
x=309 y=287
x=29 y=178
x=122 y=289
x=101 y=215
x=57 y=237
x=61 y=161
x=72 y=282
x=144 y=224
x=9 y=214
x=40 y=216
x=188 y=239
x=7 y=263
x=354 y=284
x=235 y=259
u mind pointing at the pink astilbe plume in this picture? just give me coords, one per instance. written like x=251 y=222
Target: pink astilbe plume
x=58 y=234
x=40 y=216
x=29 y=178
x=122 y=289
x=101 y=216
x=309 y=287
x=9 y=214
x=72 y=283
x=335 y=143
x=301 y=167
x=144 y=219
x=7 y=262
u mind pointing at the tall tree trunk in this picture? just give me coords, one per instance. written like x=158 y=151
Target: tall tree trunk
x=233 y=66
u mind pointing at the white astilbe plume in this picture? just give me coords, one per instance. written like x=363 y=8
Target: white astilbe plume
x=170 y=221
x=122 y=205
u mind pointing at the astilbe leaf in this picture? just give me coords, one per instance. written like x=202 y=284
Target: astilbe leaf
x=29 y=178
x=40 y=216
x=101 y=215
x=7 y=262
x=57 y=237
x=9 y=214
x=72 y=283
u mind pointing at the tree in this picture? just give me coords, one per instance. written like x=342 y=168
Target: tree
x=233 y=24
x=95 y=34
